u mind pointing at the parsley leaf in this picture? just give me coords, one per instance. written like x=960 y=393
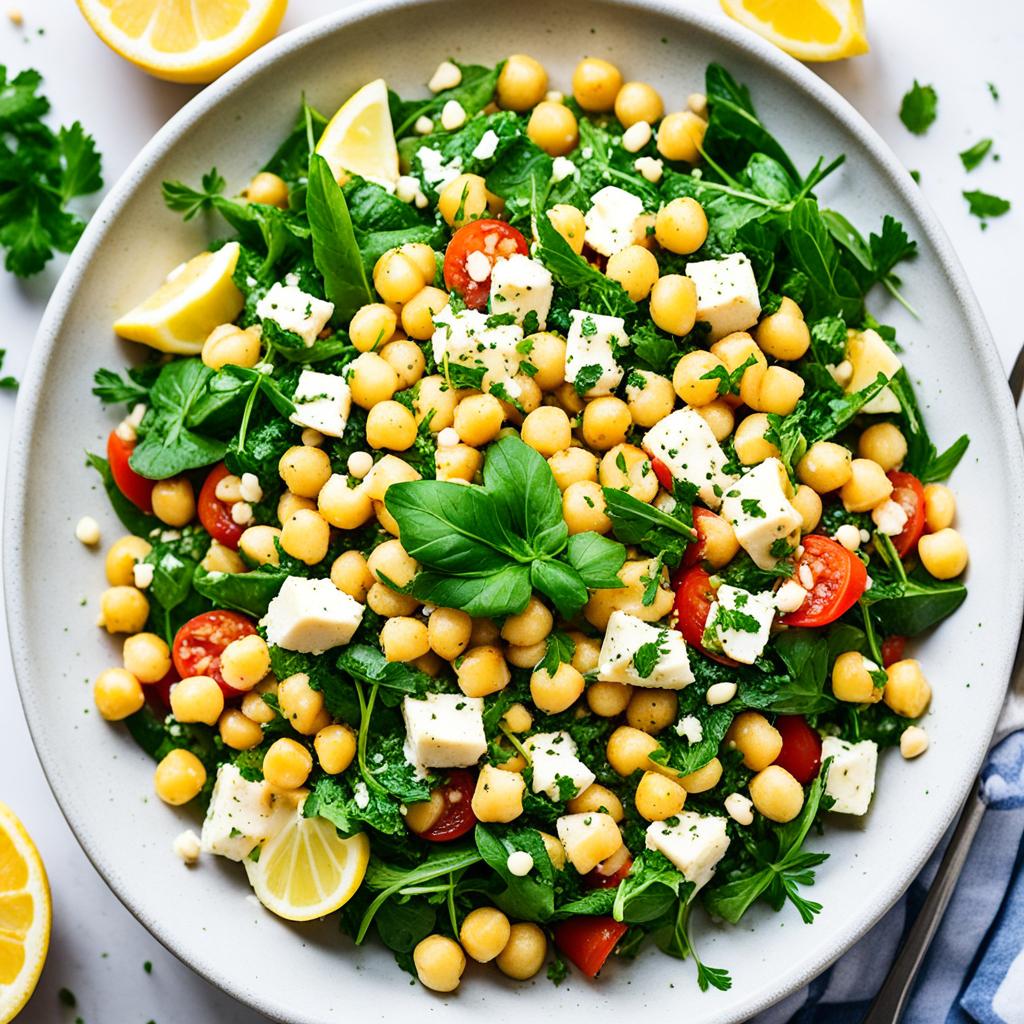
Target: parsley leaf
x=918 y=109
x=984 y=204
x=973 y=155
x=560 y=648
x=7 y=383
x=729 y=383
x=587 y=376
x=645 y=660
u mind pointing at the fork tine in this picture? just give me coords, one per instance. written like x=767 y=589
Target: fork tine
x=1017 y=376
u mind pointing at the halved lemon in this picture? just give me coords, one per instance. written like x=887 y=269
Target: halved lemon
x=195 y=297
x=24 y=915
x=184 y=40
x=307 y=870
x=360 y=138
x=813 y=30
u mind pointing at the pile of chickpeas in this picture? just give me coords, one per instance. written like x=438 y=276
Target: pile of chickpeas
x=585 y=442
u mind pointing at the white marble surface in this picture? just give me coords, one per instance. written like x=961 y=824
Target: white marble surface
x=98 y=950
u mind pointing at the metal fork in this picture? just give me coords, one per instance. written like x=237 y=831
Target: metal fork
x=892 y=997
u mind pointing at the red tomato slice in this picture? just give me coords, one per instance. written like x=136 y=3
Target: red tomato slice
x=694 y=596
x=137 y=489
x=214 y=514
x=908 y=493
x=893 y=648
x=159 y=693
x=198 y=645
x=661 y=471
x=457 y=818
x=595 y=880
x=495 y=239
x=589 y=941
x=695 y=552
x=839 y=580
x=801 y=748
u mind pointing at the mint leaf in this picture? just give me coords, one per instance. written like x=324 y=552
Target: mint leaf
x=918 y=109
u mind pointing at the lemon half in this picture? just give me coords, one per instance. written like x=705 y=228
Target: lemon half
x=812 y=30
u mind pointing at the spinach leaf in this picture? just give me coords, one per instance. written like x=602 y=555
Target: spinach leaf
x=291 y=159
x=403 y=922
x=923 y=460
x=334 y=799
x=676 y=751
x=248 y=592
x=907 y=608
x=561 y=583
x=802 y=690
x=650 y=890
x=132 y=517
x=473 y=93
x=527 y=898
x=368 y=664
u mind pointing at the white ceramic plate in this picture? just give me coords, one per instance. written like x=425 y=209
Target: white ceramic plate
x=104 y=783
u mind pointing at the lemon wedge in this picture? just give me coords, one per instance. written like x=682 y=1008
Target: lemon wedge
x=193 y=41
x=196 y=297
x=307 y=870
x=24 y=915
x=812 y=30
x=360 y=138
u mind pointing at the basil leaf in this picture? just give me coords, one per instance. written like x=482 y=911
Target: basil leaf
x=248 y=592
x=529 y=897
x=562 y=584
x=597 y=559
x=805 y=654
x=505 y=592
x=917 y=605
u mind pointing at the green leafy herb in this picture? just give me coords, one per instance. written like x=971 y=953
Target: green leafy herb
x=636 y=522
x=729 y=383
x=919 y=107
x=973 y=155
x=560 y=649
x=984 y=205
x=7 y=383
x=586 y=377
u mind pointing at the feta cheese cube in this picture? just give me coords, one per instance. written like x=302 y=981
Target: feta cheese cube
x=519 y=286
x=695 y=844
x=588 y=838
x=739 y=622
x=611 y=220
x=561 y=168
x=464 y=338
x=242 y=815
x=727 y=297
x=625 y=636
x=760 y=512
x=444 y=730
x=592 y=341
x=311 y=616
x=851 y=775
x=684 y=442
x=691 y=727
x=868 y=355
x=323 y=402
x=294 y=310
x=553 y=755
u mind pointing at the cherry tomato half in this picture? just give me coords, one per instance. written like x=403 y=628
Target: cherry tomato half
x=589 y=941
x=595 y=880
x=198 y=645
x=214 y=514
x=839 y=580
x=893 y=649
x=137 y=489
x=495 y=239
x=457 y=818
x=801 y=748
x=694 y=597
x=695 y=551
x=662 y=472
x=159 y=693
x=908 y=493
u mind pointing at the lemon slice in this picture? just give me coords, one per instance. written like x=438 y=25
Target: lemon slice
x=184 y=40
x=195 y=297
x=814 y=30
x=360 y=138
x=24 y=915
x=307 y=870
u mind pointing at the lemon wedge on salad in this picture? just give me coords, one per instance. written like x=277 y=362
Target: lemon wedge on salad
x=360 y=138
x=813 y=30
x=24 y=915
x=196 y=297
x=307 y=870
x=184 y=42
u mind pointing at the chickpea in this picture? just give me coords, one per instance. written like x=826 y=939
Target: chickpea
x=867 y=487
x=335 y=747
x=690 y=378
x=566 y=397
x=907 y=691
x=547 y=430
x=704 y=778
x=883 y=443
x=390 y=425
x=629 y=750
x=776 y=794
x=638 y=101
x=569 y=222
x=775 y=389
x=636 y=269
x=372 y=326
x=525 y=952
x=290 y=503
x=238 y=731
x=463 y=199
x=306 y=536
x=484 y=933
x=825 y=467
x=719 y=545
x=518 y=719
x=179 y=777
x=351 y=575
x=522 y=84
x=939 y=507
x=658 y=797
x=547 y=350
x=423 y=814
x=404 y=639
x=387 y=603
x=596 y=84
x=751 y=446
x=478 y=419
x=673 y=304
x=269 y=190
x=718 y=415
x=851 y=679
x=606 y=421
x=121 y=559
x=245 y=662
x=572 y=466
x=652 y=710
x=680 y=136
x=117 y=694
x=258 y=544
x=460 y=462
x=808 y=504
x=397 y=276
x=482 y=671
x=554 y=693
x=629 y=597
x=525 y=657
x=253 y=705
x=304 y=470
x=372 y=379
x=681 y=226
x=423 y=256
x=435 y=396
x=484 y=633
x=391 y=560
x=554 y=849
x=448 y=632
x=123 y=610
x=197 y=699
x=553 y=127
x=287 y=764
x=735 y=350
x=439 y=963
x=301 y=705
x=147 y=657
x=783 y=334
x=755 y=738
x=174 y=501
x=390 y=470
x=650 y=397
x=583 y=508
x=530 y=626
x=498 y=795
x=223 y=559
x=405 y=357
x=339 y=505
x=598 y=799
x=230 y=344
x=626 y=467
x=608 y=699
x=943 y=554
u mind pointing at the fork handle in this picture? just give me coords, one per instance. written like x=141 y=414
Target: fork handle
x=893 y=995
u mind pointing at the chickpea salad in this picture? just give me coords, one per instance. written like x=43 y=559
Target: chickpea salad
x=528 y=522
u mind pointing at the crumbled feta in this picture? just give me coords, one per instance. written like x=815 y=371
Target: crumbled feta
x=311 y=616
x=447 y=76
x=650 y=168
x=453 y=115
x=478 y=266
x=87 y=531
x=519 y=863
x=790 y=596
x=851 y=775
x=761 y=514
x=142 y=574
x=739 y=622
x=739 y=808
x=242 y=814
x=249 y=488
x=695 y=844
x=889 y=517
x=611 y=220
x=592 y=341
x=691 y=727
x=553 y=756
x=444 y=730
x=720 y=693
x=663 y=661
x=520 y=286
x=463 y=337
x=727 y=296
x=323 y=402
x=407 y=188
x=187 y=846
x=636 y=136
x=436 y=173
x=361 y=795
x=869 y=356
x=487 y=146
x=561 y=168
x=294 y=310
x=684 y=442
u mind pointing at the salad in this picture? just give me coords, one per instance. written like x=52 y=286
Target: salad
x=528 y=522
